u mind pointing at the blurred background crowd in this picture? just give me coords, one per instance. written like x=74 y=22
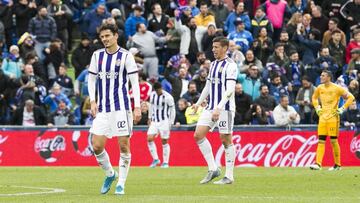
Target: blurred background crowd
x=280 y=48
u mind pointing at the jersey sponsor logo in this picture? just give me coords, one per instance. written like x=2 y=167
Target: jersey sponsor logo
x=222 y=124
x=108 y=75
x=121 y=124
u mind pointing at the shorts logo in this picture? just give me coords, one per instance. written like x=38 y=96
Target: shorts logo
x=121 y=124
x=222 y=124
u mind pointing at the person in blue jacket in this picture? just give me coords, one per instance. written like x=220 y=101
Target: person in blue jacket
x=242 y=37
x=133 y=20
x=238 y=13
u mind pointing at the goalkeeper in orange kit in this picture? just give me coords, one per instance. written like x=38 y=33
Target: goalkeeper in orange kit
x=329 y=95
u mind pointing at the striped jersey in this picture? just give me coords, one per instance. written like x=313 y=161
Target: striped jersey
x=112 y=72
x=161 y=107
x=219 y=73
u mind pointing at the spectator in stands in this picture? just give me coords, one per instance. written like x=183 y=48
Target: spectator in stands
x=261 y=21
x=6 y=12
x=354 y=89
x=145 y=41
x=242 y=104
x=220 y=12
x=82 y=82
x=336 y=49
x=159 y=20
x=191 y=116
x=355 y=43
x=180 y=118
x=235 y=54
x=192 y=94
x=297 y=7
x=288 y=45
x=24 y=11
x=43 y=27
x=145 y=88
x=332 y=9
x=311 y=46
x=251 y=81
x=12 y=65
x=291 y=26
x=242 y=38
x=6 y=95
x=54 y=56
x=62 y=16
x=66 y=83
x=319 y=21
x=200 y=78
x=173 y=36
x=303 y=99
x=266 y=101
x=263 y=46
x=31 y=87
x=54 y=98
x=29 y=115
x=353 y=68
x=62 y=115
x=325 y=62
x=200 y=59
x=256 y=116
x=276 y=88
x=179 y=84
x=250 y=59
x=284 y=114
x=26 y=45
x=192 y=4
x=230 y=25
x=145 y=117
x=206 y=42
x=94 y=18
x=276 y=11
x=279 y=57
x=351 y=117
x=350 y=12
x=333 y=25
x=132 y=21
x=81 y=56
x=294 y=71
x=117 y=15
x=204 y=18
x=32 y=59
x=2 y=38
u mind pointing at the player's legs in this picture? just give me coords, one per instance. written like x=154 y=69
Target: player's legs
x=226 y=140
x=205 y=146
x=166 y=153
x=320 y=151
x=336 y=152
x=153 y=150
x=124 y=163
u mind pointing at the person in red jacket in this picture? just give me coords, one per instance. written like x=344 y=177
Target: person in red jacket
x=355 y=43
x=145 y=88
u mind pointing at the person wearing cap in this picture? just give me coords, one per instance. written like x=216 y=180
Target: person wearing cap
x=24 y=11
x=355 y=43
x=29 y=115
x=242 y=37
x=354 y=63
x=204 y=18
x=238 y=13
x=81 y=56
x=132 y=21
x=26 y=45
x=94 y=18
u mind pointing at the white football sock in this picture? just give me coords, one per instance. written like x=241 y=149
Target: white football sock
x=206 y=150
x=104 y=162
x=166 y=153
x=229 y=161
x=124 y=165
x=153 y=150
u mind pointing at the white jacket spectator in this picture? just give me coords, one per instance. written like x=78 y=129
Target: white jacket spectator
x=285 y=114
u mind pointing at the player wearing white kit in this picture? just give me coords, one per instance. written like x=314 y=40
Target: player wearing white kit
x=109 y=72
x=220 y=87
x=161 y=117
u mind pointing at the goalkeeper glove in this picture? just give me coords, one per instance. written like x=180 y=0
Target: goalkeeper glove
x=318 y=110
x=340 y=110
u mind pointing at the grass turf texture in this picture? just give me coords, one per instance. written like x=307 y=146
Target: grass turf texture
x=181 y=184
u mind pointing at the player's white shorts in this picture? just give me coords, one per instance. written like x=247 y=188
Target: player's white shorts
x=116 y=123
x=225 y=123
x=162 y=128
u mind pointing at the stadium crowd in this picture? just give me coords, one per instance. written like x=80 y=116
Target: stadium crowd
x=280 y=48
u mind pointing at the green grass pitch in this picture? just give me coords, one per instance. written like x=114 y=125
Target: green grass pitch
x=181 y=184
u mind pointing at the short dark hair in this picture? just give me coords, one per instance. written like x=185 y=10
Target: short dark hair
x=138 y=8
x=316 y=34
x=335 y=20
x=224 y=42
x=292 y=52
x=279 y=44
x=283 y=96
x=329 y=73
x=199 y=53
x=153 y=6
x=138 y=26
x=191 y=83
x=157 y=86
x=305 y=77
x=263 y=85
x=203 y=3
x=106 y=26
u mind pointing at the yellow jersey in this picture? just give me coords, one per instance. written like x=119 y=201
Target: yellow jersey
x=329 y=97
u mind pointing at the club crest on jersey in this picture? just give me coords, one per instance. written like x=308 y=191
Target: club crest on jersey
x=118 y=62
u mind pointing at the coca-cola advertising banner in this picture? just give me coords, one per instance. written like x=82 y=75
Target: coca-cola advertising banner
x=52 y=147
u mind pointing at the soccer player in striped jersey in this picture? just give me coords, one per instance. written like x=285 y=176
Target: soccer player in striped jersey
x=161 y=117
x=110 y=71
x=220 y=87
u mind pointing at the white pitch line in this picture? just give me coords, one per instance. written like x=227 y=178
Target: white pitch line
x=49 y=191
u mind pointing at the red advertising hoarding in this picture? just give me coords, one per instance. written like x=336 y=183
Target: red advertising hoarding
x=269 y=149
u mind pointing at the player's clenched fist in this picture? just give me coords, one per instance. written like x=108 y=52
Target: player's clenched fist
x=93 y=109
x=137 y=114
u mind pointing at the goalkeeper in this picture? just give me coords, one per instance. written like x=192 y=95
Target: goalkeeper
x=329 y=95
